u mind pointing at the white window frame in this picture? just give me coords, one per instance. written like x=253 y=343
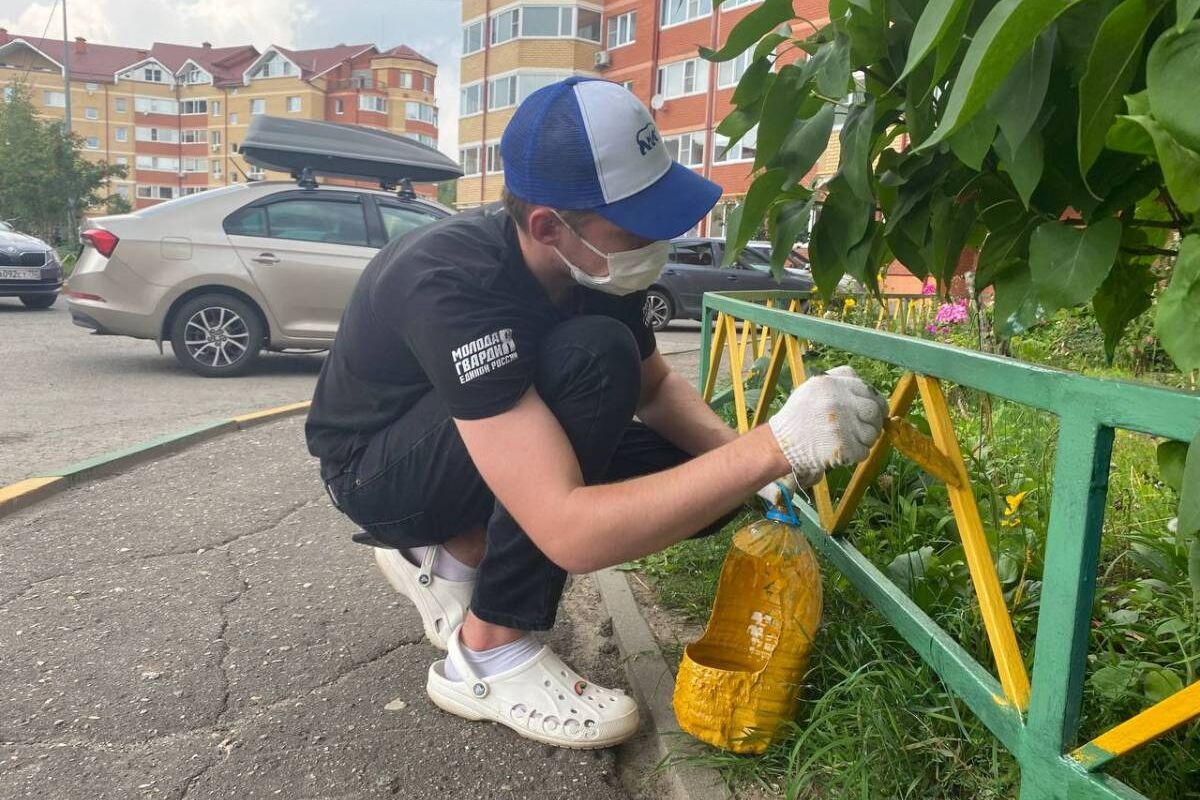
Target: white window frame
x=626 y=21
x=339 y=106
x=193 y=136
x=692 y=11
x=266 y=67
x=121 y=134
x=493 y=104
x=699 y=70
x=91 y=112
x=215 y=107
x=493 y=161
x=511 y=30
x=156 y=163
x=372 y=102
x=477 y=86
x=720 y=141
x=195 y=164
x=121 y=105
x=730 y=72
x=92 y=143
x=144 y=104
x=143 y=133
x=467 y=30
x=406 y=80
x=297 y=104
x=730 y=5
x=52 y=99
x=233 y=118
x=469 y=170
x=687 y=140
x=424 y=112
x=190 y=107
x=260 y=103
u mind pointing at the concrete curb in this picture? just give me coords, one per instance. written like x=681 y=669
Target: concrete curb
x=654 y=687
x=25 y=493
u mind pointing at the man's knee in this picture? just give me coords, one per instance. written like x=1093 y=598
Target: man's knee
x=588 y=353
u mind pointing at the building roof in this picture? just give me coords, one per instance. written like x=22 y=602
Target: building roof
x=225 y=64
x=315 y=62
x=404 y=51
x=96 y=62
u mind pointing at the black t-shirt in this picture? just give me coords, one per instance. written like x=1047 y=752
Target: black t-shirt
x=450 y=308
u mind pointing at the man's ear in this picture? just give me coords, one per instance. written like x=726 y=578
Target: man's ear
x=544 y=226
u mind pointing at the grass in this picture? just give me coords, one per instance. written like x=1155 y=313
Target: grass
x=874 y=721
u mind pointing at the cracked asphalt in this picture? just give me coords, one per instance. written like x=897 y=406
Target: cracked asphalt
x=202 y=627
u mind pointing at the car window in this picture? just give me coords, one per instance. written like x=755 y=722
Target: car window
x=399 y=220
x=699 y=254
x=4 y=226
x=247 y=222
x=313 y=220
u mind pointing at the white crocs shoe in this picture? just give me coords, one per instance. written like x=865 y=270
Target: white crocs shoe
x=442 y=603
x=543 y=699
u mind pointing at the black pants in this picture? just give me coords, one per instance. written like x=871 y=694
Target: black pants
x=414 y=483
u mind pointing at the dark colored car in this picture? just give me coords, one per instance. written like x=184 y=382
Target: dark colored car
x=29 y=269
x=694 y=267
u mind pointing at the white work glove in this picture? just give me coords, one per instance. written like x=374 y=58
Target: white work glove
x=829 y=421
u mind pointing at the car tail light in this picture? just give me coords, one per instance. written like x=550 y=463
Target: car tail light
x=104 y=241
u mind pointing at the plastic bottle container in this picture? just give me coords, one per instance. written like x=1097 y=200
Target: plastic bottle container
x=740 y=682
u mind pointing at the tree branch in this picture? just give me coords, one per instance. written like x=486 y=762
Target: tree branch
x=1149 y=251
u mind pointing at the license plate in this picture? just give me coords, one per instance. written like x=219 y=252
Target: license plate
x=11 y=274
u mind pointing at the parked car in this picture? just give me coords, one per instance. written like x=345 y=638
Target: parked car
x=797 y=264
x=694 y=267
x=29 y=269
x=229 y=272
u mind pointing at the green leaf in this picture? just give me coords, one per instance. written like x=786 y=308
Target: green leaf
x=1160 y=683
x=973 y=140
x=1184 y=11
x=805 y=143
x=1172 y=456
x=1126 y=193
x=950 y=221
x=780 y=106
x=738 y=124
x=1171 y=83
x=1006 y=33
x=1112 y=64
x=1180 y=165
x=908 y=569
x=1126 y=136
x=1024 y=163
x=1113 y=682
x=1124 y=296
x=791 y=225
x=854 y=163
x=841 y=225
x=753 y=83
x=1018 y=102
x=833 y=69
x=1004 y=248
x=752 y=27
x=1068 y=264
x=938 y=18
x=1178 y=318
x=1017 y=308
x=1138 y=103
x=762 y=193
x=1077 y=31
x=1189 y=503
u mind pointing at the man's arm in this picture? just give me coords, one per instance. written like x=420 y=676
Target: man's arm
x=526 y=459
x=673 y=408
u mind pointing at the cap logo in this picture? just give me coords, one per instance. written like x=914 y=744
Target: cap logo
x=647 y=138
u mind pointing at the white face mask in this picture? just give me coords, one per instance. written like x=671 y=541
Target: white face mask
x=629 y=271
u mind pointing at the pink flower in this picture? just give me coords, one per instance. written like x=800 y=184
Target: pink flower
x=929 y=288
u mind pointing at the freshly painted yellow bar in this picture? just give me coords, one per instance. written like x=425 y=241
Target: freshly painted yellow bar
x=1009 y=664
x=15 y=491
x=258 y=416
x=770 y=379
x=1150 y=724
x=735 y=372
x=921 y=449
x=714 y=358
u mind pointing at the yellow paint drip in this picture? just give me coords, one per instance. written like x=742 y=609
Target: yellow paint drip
x=740 y=682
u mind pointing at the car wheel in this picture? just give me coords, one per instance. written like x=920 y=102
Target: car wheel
x=658 y=309
x=38 y=300
x=217 y=335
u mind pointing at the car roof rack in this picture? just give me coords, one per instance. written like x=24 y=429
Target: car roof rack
x=307 y=148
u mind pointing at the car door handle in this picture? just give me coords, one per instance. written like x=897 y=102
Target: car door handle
x=668 y=272
x=265 y=258
x=731 y=277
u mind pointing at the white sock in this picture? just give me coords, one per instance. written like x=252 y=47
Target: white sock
x=445 y=565
x=498 y=659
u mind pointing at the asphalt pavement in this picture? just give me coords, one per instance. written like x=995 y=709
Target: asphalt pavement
x=202 y=626
x=67 y=395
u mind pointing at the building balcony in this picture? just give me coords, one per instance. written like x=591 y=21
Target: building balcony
x=354 y=84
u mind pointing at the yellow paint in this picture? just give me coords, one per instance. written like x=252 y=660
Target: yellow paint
x=13 y=492
x=1151 y=723
x=770 y=379
x=735 y=372
x=738 y=685
x=714 y=358
x=278 y=411
x=996 y=621
x=921 y=449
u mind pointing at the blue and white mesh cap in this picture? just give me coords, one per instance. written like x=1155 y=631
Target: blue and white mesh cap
x=589 y=144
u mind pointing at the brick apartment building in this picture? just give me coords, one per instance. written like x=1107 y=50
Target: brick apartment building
x=650 y=46
x=175 y=114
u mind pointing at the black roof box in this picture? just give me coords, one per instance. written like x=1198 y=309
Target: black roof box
x=348 y=151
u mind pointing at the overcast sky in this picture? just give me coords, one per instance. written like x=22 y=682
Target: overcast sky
x=431 y=27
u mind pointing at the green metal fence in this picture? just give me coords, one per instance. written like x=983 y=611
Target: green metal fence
x=1036 y=718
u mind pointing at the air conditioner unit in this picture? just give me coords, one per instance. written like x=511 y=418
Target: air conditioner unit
x=602 y=59
x=216 y=148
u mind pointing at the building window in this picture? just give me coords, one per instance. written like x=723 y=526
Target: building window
x=193 y=107
x=621 y=29
x=472 y=38
x=546 y=21
x=293 y=105
x=512 y=89
x=194 y=136
x=156 y=135
x=54 y=99
x=193 y=75
x=686 y=148
x=233 y=118
x=427 y=84
x=506 y=26
x=155 y=105
x=627 y=85
x=420 y=111
x=92 y=143
x=258 y=106
x=274 y=65
x=215 y=136
x=423 y=138
x=744 y=150
x=123 y=192
x=195 y=164
x=729 y=5
x=469 y=158
x=159 y=163
x=121 y=105
x=121 y=134
x=122 y=161
x=676 y=12
x=155 y=192
x=339 y=107
x=216 y=169
x=494 y=162
x=683 y=78
x=372 y=102
x=405 y=80
x=730 y=72
x=469 y=100
x=152 y=74
x=91 y=112
x=588 y=26
x=215 y=105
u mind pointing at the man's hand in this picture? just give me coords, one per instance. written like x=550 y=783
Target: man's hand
x=829 y=421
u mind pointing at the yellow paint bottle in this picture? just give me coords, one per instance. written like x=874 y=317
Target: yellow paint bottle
x=740 y=682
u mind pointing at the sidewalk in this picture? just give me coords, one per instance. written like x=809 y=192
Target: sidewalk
x=202 y=626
